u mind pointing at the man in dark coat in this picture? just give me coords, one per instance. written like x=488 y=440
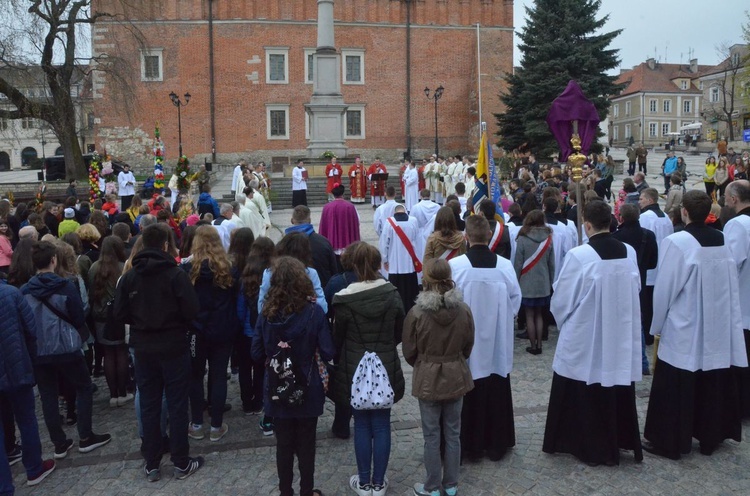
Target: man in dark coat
x=324 y=259
x=643 y=242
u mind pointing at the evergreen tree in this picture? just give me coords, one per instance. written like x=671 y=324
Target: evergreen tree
x=561 y=41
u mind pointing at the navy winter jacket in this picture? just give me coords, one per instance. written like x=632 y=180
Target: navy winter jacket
x=217 y=314
x=17 y=339
x=64 y=296
x=305 y=332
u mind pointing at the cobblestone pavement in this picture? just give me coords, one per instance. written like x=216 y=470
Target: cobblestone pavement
x=243 y=462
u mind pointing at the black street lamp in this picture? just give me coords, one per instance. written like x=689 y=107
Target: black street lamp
x=179 y=104
x=435 y=96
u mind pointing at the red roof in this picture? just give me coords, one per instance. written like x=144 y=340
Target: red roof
x=642 y=79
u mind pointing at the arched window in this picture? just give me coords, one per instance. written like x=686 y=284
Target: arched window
x=58 y=151
x=4 y=161
x=28 y=155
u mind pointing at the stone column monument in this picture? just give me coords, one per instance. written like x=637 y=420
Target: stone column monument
x=326 y=108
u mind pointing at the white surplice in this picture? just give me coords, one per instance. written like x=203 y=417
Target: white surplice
x=237 y=181
x=697 y=306
x=411 y=185
x=737 y=239
x=382 y=213
x=596 y=306
x=424 y=212
x=494 y=297
x=392 y=249
x=661 y=227
x=562 y=242
x=251 y=218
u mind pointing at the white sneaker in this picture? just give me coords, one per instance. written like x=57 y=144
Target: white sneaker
x=364 y=490
x=124 y=400
x=380 y=490
x=113 y=403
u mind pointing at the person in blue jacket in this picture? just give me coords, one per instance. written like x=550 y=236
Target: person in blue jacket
x=669 y=167
x=207 y=204
x=289 y=319
x=18 y=342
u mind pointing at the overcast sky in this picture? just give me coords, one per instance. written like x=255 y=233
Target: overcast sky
x=669 y=28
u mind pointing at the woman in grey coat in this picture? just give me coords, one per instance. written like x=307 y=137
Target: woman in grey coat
x=535 y=269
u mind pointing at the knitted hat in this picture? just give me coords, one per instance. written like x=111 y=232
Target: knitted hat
x=70 y=213
x=192 y=219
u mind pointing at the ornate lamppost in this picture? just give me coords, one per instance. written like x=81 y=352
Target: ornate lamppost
x=435 y=96
x=179 y=104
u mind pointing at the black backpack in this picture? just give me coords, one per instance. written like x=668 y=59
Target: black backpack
x=286 y=384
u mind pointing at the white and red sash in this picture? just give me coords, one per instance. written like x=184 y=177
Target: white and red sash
x=535 y=257
x=407 y=244
x=449 y=254
x=497 y=236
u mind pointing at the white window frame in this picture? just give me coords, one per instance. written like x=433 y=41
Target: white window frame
x=616 y=110
x=308 y=53
x=701 y=86
x=4 y=124
x=615 y=133
x=687 y=106
x=666 y=128
x=667 y=106
x=353 y=52
x=628 y=131
x=684 y=84
x=29 y=123
x=271 y=107
x=653 y=105
x=713 y=94
x=152 y=52
x=653 y=129
x=628 y=107
x=277 y=51
x=355 y=108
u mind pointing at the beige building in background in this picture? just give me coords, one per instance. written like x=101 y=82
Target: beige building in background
x=658 y=99
x=730 y=80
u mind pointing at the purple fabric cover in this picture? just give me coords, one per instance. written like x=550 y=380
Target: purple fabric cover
x=339 y=223
x=572 y=105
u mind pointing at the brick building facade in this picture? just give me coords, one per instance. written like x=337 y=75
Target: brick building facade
x=262 y=54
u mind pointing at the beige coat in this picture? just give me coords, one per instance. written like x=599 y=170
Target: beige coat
x=437 y=341
x=437 y=245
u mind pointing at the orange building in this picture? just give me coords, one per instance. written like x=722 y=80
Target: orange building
x=247 y=65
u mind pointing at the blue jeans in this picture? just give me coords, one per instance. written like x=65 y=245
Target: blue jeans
x=22 y=403
x=76 y=373
x=138 y=418
x=158 y=374
x=217 y=355
x=372 y=443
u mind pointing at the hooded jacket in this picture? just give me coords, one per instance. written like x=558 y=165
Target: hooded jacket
x=369 y=317
x=537 y=282
x=158 y=301
x=305 y=332
x=438 y=338
x=17 y=339
x=438 y=244
x=207 y=204
x=63 y=295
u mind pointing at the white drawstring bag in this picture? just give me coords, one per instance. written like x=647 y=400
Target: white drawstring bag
x=371 y=388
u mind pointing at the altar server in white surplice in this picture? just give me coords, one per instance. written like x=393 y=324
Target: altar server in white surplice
x=562 y=241
x=400 y=259
x=424 y=212
x=384 y=211
x=695 y=392
x=411 y=185
x=491 y=289
x=592 y=413
x=737 y=239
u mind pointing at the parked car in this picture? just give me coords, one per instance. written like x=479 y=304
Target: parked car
x=54 y=167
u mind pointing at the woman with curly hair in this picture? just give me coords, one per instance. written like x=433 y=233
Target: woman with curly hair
x=251 y=373
x=90 y=237
x=103 y=277
x=214 y=329
x=290 y=320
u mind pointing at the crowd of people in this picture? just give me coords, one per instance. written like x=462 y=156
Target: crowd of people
x=163 y=298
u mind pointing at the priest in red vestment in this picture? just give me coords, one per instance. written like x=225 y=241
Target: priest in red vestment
x=420 y=170
x=377 y=188
x=339 y=222
x=333 y=176
x=358 y=181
